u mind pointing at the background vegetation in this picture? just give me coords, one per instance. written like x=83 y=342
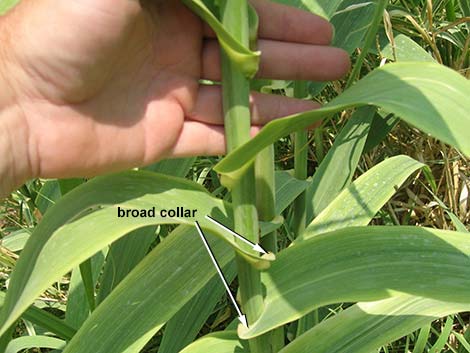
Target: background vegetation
x=438 y=197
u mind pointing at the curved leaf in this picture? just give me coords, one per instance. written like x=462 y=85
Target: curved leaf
x=429 y=96
x=6 y=5
x=341 y=161
x=56 y=246
x=359 y=202
x=21 y=343
x=152 y=297
x=288 y=189
x=220 y=342
x=325 y=8
x=406 y=49
x=371 y=263
x=160 y=285
x=244 y=58
x=46 y=320
x=365 y=327
x=185 y=325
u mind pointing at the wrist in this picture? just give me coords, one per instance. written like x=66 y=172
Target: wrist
x=14 y=157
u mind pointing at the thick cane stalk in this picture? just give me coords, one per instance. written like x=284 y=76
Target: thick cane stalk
x=236 y=91
x=265 y=203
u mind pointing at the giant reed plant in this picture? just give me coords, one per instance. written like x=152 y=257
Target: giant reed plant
x=401 y=278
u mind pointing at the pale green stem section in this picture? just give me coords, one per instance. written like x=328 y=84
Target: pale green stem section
x=369 y=41
x=266 y=205
x=300 y=204
x=87 y=278
x=265 y=194
x=236 y=91
x=300 y=172
x=306 y=322
x=300 y=167
x=450 y=11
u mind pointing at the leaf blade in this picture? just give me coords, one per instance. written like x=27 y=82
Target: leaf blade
x=410 y=90
x=371 y=263
x=357 y=204
x=365 y=327
x=39 y=264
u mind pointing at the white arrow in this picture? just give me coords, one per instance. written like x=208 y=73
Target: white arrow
x=255 y=247
x=241 y=316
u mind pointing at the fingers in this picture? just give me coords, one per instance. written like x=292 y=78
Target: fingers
x=288 y=24
x=293 y=45
x=264 y=107
x=200 y=139
x=204 y=133
x=285 y=61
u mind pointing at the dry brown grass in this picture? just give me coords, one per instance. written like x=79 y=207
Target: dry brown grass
x=416 y=203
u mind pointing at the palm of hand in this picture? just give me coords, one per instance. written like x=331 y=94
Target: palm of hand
x=105 y=85
x=111 y=99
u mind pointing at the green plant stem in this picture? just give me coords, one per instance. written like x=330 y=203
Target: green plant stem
x=370 y=39
x=319 y=150
x=265 y=194
x=300 y=167
x=306 y=322
x=236 y=91
x=450 y=11
x=266 y=205
x=300 y=172
x=87 y=277
x=6 y=338
x=300 y=204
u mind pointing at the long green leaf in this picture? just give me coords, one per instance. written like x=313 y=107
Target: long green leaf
x=426 y=95
x=359 y=202
x=56 y=247
x=341 y=161
x=324 y=8
x=150 y=294
x=178 y=167
x=78 y=309
x=406 y=49
x=422 y=339
x=220 y=342
x=45 y=320
x=287 y=189
x=381 y=126
x=439 y=345
x=127 y=252
x=465 y=6
x=161 y=284
x=183 y=328
x=351 y=23
x=21 y=343
x=122 y=257
x=16 y=240
x=365 y=327
x=184 y=325
x=371 y=263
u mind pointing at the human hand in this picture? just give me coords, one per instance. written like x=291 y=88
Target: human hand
x=104 y=85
